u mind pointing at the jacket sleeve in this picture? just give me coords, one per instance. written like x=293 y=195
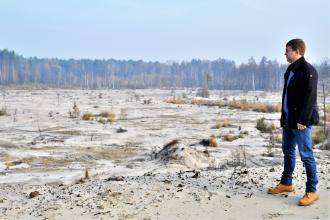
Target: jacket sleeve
x=310 y=95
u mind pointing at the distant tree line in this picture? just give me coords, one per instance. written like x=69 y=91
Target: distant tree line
x=120 y=74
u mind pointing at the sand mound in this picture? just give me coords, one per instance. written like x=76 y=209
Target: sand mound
x=176 y=152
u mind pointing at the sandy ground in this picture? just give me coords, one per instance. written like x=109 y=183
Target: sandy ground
x=237 y=193
x=132 y=175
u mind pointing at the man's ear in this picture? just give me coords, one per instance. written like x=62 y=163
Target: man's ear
x=298 y=51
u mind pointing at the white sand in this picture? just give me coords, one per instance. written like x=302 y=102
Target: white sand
x=51 y=149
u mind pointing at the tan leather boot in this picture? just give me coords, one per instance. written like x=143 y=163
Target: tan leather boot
x=308 y=199
x=280 y=188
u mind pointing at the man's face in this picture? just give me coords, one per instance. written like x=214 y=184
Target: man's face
x=291 y=55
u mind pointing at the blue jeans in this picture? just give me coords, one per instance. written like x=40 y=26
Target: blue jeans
x=290 y=138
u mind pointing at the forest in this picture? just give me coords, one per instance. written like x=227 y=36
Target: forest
x=137 y=74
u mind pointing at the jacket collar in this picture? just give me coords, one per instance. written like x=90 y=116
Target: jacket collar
x=294 y=66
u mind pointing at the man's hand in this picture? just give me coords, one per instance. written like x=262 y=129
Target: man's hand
x=300 y=126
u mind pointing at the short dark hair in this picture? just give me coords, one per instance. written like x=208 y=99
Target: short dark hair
x=296 y=44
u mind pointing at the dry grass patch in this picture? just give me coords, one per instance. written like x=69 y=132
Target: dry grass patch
x=3 y=111
x=278 y=138
x=264 y=126
x=66 y=132
x=213 y=141
x=242 y=133
x=325 y=113
x=327 y=108
x=325 y=117
x=102 y=121
x=109 y=116
x=240 y=104
x=220 y=123
x=48 y=161
x=318 y=136
x=75 y=111
x=109 y=153
x=106 y=114
x=86 y=170
x=7 y=157
x=94 y=153
x=87 y=116
x=230 y=137
x=175 y=100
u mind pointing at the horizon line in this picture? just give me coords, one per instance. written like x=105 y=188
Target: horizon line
x=170 y=61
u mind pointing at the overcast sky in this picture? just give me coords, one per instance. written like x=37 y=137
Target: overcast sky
x=164 y=30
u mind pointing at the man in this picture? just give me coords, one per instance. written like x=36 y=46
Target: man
x=299 y=113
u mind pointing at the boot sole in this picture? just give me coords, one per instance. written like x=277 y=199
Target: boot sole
x=281 y=192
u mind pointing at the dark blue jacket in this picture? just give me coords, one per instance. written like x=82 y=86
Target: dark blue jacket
x=302 y=94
